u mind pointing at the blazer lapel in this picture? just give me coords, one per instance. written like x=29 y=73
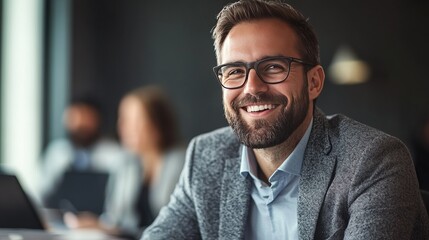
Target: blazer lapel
x=316 y=176
x=235 y=199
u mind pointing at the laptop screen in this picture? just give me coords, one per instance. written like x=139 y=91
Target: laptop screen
x=16 y=209
x=80 y=191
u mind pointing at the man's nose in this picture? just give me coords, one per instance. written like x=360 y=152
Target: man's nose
x=254 y=84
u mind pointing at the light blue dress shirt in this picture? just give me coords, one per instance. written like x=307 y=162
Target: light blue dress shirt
x=273 y=211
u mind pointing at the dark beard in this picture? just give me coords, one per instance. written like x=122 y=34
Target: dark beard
x=82 y=138
x=265 y=133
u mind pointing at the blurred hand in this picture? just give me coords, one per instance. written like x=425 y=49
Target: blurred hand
x=81 y=220
x=87 y=220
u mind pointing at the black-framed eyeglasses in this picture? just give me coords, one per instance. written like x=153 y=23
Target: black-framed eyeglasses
x=270 y=70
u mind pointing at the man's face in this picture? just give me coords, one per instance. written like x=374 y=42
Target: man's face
x=82 y=123
x=265 y=115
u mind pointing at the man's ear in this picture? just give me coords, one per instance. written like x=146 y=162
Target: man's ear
x=316 y=79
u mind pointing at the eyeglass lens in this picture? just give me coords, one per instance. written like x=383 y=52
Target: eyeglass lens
x=270 y=71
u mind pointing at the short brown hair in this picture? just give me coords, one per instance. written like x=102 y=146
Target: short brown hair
x=248 y=10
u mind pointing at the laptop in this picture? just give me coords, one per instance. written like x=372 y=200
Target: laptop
x=79 y=192
x=16 y=209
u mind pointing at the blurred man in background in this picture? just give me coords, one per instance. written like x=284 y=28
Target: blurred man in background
x=83 y=150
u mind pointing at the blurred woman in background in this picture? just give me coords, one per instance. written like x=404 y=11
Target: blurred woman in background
x=147 y=127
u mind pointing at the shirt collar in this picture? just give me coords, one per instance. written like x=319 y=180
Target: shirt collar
x=291 y=165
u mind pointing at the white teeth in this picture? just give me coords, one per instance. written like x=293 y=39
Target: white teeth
x=256 y=108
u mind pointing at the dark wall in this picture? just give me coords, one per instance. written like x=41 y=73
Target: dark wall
x=392 y=37
x=120 y=45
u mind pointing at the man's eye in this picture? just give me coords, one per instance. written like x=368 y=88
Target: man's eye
x=235 y=71
x=274 y=68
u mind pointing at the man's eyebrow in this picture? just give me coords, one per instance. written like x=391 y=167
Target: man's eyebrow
x=259 y=59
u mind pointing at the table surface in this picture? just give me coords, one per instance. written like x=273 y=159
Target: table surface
x=27 y=234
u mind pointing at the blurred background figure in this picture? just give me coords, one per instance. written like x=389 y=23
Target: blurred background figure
x=147 y=127
x=421 y=155
x=84 y=150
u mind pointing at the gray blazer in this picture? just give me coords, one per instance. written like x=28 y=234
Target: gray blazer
x=356 y=183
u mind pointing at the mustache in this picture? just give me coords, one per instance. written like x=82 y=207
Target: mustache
x=263 y=98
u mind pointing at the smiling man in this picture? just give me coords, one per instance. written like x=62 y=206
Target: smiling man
x=284 y=170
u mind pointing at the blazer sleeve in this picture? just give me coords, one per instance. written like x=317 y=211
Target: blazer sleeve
x=178 y=219
x=384 y=201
